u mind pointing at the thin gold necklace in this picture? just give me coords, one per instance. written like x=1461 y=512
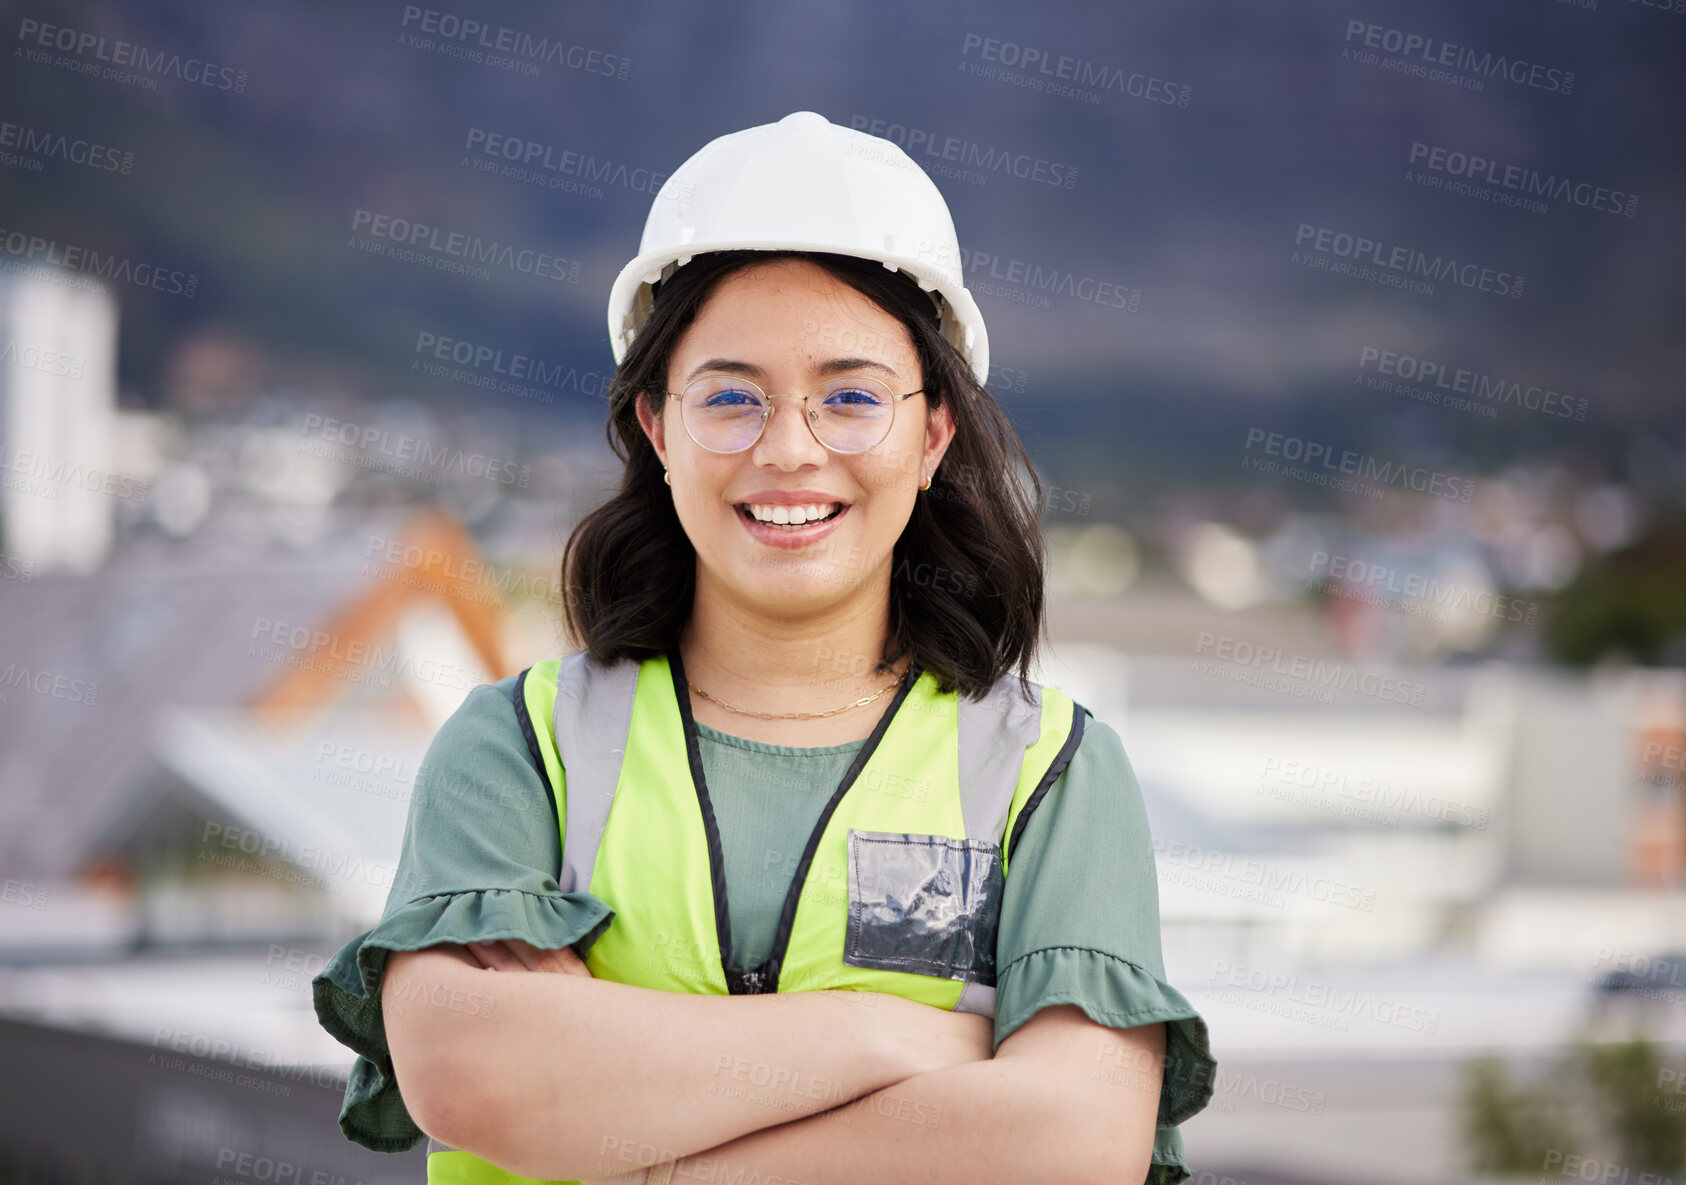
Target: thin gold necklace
x=860 y=703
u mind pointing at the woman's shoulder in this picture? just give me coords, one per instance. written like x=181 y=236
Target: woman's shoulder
x=1102 y=742
x=488 y=710
x=1099 y=779
x=478 y=791
x=484 y=727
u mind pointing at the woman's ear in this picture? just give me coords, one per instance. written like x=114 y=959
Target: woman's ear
x=653 y=425
x=939 y=431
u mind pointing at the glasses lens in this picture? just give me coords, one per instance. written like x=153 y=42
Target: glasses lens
x=852 y=414
x=723 y=415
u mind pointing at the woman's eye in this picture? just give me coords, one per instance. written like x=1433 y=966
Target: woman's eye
x=729 y=399
x=851 y=396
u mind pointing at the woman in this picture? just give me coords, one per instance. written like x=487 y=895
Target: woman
x=868 y=905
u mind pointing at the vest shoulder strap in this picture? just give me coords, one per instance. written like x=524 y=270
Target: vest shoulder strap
x=530 y=692
x=591 y=719
x=1062 y=732
x=995 y=732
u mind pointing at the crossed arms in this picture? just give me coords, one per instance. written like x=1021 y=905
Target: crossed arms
x=560 y=1076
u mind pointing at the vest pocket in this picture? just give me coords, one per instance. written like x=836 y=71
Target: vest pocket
x=923 y=904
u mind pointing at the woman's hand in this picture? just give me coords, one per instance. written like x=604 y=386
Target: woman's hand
x=512 y=954
x=934 y=1039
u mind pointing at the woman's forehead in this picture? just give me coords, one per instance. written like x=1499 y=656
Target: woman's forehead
x=814 y=323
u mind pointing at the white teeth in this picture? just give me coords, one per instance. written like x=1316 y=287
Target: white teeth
x=792 y=515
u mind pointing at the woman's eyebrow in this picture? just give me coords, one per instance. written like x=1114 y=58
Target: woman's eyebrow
x=829 y=367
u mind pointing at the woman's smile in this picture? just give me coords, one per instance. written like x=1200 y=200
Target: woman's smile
x=790 y=519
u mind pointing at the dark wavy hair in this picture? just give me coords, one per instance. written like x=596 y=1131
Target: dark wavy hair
x=629 y=569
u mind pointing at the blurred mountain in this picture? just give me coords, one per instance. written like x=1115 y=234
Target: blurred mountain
x=257 y=192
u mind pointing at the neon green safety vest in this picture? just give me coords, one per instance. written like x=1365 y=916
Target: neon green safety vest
x=899 y=887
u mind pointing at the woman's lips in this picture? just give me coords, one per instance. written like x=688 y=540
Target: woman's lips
x=786 y=537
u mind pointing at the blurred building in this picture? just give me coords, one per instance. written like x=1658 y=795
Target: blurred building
x=201 y=747
x=58 y=410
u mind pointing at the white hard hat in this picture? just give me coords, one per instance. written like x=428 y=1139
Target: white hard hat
x=803 y=184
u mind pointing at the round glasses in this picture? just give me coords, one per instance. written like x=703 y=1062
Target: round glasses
x=847 y=415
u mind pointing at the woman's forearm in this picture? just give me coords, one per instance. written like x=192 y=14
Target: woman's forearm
x=1041 y=1110
x=555 y=1076
x=967 y=1125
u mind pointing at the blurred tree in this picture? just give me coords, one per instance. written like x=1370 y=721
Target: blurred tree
x=1507 y=1128
x=1602 y=1101
x=1632 y=602
x=1626 y=1082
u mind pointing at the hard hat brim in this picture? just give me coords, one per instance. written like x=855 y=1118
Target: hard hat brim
x=962 y=322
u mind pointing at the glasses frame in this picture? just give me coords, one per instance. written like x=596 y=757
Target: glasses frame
x=808 y=414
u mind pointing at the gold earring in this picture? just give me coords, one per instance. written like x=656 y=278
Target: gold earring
x=667 y=477
x=927 y=484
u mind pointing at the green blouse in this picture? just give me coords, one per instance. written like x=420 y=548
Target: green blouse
x=1079 y=919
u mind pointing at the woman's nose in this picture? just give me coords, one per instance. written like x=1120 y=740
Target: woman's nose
x=787 y=428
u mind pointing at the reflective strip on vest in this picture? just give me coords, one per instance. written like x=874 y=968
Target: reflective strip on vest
x=590 y=721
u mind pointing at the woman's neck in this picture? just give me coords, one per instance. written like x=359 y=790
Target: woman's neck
x=783 y=666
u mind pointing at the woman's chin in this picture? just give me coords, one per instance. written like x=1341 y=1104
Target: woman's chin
x=790 y=581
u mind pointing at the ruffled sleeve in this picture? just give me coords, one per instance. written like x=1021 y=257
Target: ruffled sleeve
x=1080 y=925
x=479 y=861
